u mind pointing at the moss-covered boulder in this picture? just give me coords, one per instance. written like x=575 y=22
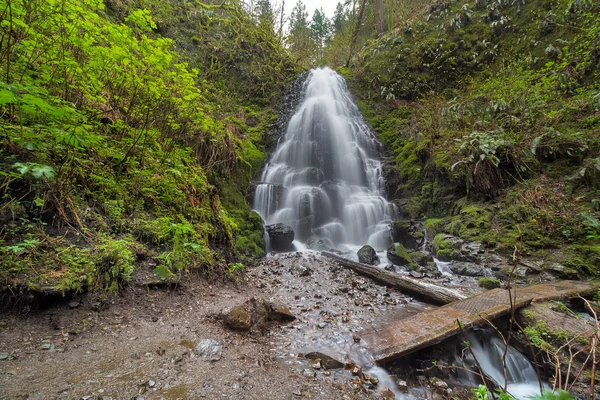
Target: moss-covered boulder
x=367 y=255
x=443 y=247
x=398 y=255
x=421 y=259
x=490 y=283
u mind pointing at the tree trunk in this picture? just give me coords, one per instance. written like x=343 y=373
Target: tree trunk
x=356 y=28
x=380 y=15
x=437 y=294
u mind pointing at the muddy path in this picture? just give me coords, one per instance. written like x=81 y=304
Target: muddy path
x=140 y=344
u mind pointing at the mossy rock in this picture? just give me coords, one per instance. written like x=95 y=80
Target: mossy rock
x=367 y=255
x=473 y=223
x=420 y=258
x=433 y=226
x=398 y=255
x=443 y=248
x=490 y=283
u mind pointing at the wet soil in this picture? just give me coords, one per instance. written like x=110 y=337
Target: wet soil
x=139 y=344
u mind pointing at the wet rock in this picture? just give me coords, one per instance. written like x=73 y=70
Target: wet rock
x=327 y=361
x=387 y=394
x=237 y=318
x=416 y=274
x=208 y=350
x=408 y=233
x=467 y=269
x=281 y=237
x=367 y=255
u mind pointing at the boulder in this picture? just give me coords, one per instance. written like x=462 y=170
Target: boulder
x=420 y=258
x=281 y=237
x=367 y=255
x=398 y=255
x=280 y=312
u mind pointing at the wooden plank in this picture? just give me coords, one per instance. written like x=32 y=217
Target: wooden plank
x=429 y=291
x=405 y=336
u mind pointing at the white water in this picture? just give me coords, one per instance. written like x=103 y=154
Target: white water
x=521 y=376
x=325 y=177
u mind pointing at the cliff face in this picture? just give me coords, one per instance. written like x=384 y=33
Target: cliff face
x=491 y=111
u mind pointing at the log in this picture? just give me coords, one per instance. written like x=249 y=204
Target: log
x=428 y=291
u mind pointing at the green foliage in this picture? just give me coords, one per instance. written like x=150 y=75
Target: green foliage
x=554 y=395
x=120 y=136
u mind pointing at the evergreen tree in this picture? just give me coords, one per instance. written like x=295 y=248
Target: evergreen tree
x=264 y=13
x=299 y=38
x=320 y=28
x=339 y=18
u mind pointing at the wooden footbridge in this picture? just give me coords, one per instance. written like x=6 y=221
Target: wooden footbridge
x=404 y=336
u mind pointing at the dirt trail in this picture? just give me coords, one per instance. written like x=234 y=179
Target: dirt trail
x=139 y=343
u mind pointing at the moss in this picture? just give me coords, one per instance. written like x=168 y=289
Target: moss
x=489 y=283
x=433 y=226
x=398 y=250
x=585 y=259
x=443 y=248
x=473 y=223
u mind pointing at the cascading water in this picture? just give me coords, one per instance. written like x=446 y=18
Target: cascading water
x=520 y=374
x=325 y=177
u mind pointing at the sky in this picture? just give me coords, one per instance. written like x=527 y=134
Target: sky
x=312 y=5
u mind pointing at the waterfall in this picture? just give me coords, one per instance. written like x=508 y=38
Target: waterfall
x=521 y=375
x=325 y=178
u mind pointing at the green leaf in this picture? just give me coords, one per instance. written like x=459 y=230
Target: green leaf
x=7 y=97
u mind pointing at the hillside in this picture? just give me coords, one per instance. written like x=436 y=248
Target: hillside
x=129 y=133
x=491 y=112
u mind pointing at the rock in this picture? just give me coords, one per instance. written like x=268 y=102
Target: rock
x=421 y=259
x=300 y=270
x=281 y=237
x=327 y=361
x=490 y=283
x=452 y=248
x=209 y=350
x=398 y=255
x=466 y=268
x=74 y=304
x=402 y=386
x=408 y=233
x=562 y=271
x=387 y=394
x=367 y=255
x=237 y=318
x=390 y=267
x=415 y=274
x=440 y=384
x=280 y=312
x=3 y=356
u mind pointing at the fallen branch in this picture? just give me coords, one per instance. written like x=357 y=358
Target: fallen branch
x=429 y=291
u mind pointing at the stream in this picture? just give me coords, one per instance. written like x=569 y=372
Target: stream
x=325 y=180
